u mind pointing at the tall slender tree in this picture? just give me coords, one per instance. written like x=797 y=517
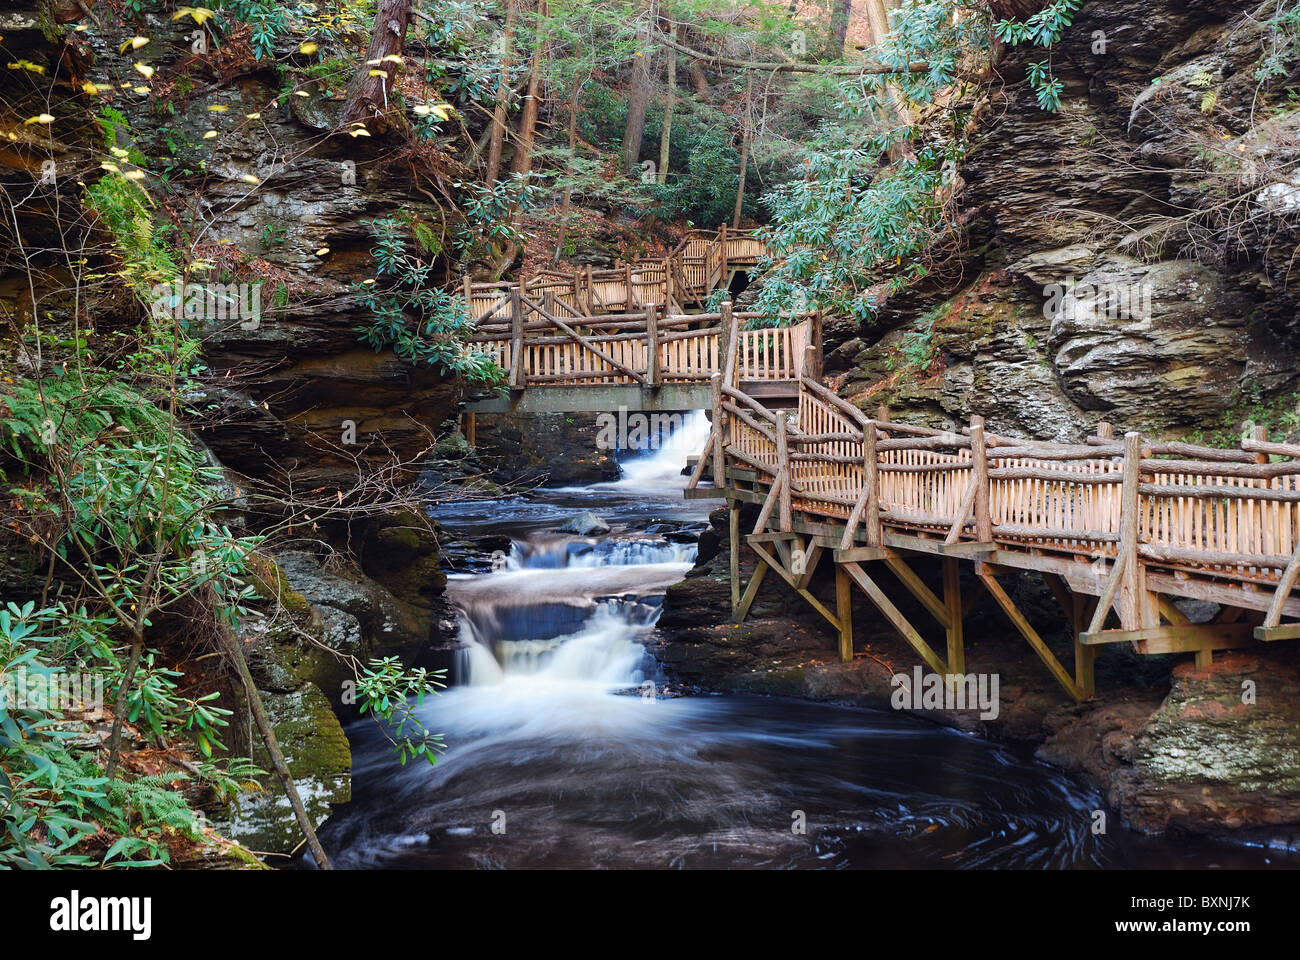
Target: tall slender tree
x=500 y=115
x=638 y=96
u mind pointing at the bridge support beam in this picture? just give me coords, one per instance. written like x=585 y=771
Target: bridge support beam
x=1026 y=629
x=894 y=616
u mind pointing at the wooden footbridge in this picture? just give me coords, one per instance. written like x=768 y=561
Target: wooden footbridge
x=1123 y=525
x=600 y=340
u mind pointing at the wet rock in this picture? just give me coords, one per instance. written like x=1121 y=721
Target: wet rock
x=320 y=762
x=584 y=525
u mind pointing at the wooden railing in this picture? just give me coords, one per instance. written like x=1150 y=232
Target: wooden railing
x=1132 y=507
x=546 y=341
x=699 y=265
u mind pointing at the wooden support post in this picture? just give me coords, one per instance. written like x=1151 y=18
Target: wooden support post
x=751 y=591
x=952 y=602
x=1085 y=658
x=783 y=467
x=980 y=477
x=471 y=428
x=1105 y=430
x=1027 y=631
x=629 y=300
x=733 y=526
x=653 y=374
x=894 y=616
x=844 y=612
x=722 y=248
x=518 y=378
x=719 y=444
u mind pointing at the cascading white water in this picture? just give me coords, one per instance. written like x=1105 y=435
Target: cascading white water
x=663 y=467
x=540 y=622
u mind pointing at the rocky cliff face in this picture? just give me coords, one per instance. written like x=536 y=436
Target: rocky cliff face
x=1163 y=185
x=293 y=401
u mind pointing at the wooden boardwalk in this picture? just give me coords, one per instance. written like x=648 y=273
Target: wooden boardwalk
x=600 y=340
x=1118 y=527
x=699 y=265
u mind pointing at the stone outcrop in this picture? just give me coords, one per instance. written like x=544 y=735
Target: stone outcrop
x=1161 y=180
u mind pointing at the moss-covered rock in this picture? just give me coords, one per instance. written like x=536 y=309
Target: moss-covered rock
x=320 y=762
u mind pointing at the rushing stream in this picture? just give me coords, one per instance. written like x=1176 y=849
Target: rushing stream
x=559 y=757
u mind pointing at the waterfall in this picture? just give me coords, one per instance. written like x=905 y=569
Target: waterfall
x=662 y=468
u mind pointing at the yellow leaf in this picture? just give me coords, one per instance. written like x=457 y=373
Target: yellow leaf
x=322 y=251
x=307 y=48
x=210 y=135
x=392 y=58
x=301 y=93
x=361 y=132
x=134 y=175
x=39 y=118
x=379 y=73
x=89 y=88
x=218 y=107
x=249 y=178
x=110 y=167
x=119 y=152
x=199 y=15
x=253 y=116
x=135 y=43
x=144 y=70
x=27 y=65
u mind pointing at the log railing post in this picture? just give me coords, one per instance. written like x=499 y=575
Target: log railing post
x=812 y=363
x=1131 y=579
x=518 y=377
x=871 y=484
x=783 y=471
x=731 y=338
x=720 y=433
x=980 y=477
x=653 y=374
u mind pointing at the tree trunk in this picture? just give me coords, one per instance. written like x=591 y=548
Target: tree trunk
x=1015 y=9
x=638 y=99
x=839 y=28
x=119 y=706
x=523 y=160
x=368 y=96
x=498 y=138
x=568 y=187
x=744 y=150
x=665 y=139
